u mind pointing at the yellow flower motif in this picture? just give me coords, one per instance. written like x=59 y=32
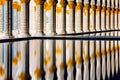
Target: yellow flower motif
x=48 y=5
x=93 y=7
x=103 y=52
x=70 y=63
x=107 y=12
x=112 y=11
x=103 y=9
x=79 y=6
x=85 y=11
x=51 y=69
x=45 y=61
x=108 y=9
x=98 y=9
x=19 y=8
x=39 y=2
x=97 y=54
x=2 y=71
x=78 y=60
x=58 y=50
x=48 y=59
x=86 y=7
x=71 y=4
x=14 y=61
x=92 y=56
x=86 y=58
x=22 y=76
x=67 y=12
x=38 y=73
x=62 y=65
x=15 y=5
x=58 y=9
x=19 y=55
x=108 y=51
x=62 y=3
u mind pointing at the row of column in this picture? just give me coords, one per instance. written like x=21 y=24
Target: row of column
x=49 y=18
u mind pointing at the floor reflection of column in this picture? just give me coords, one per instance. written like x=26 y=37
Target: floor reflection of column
x=49 y=60
x=116 y=54
x=78 y=59
x=108 y=55
x=92 y=58
x=60 y=58
x=23 y=66
x=98 y=62
x=36 y=59
x=70 y=59
x=103 y=52
x=3 y=66
x=85 y=54
x=112 y=56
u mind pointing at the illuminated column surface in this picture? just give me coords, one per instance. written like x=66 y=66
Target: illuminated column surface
x=92 y=59
x=92 y=16
x=78 y=59
x=98 y=64
x=36 y=60
x=32 y=15
x=103 y=26
x=116 y=34
x=60 y=17
x=70 y=16
x=98 y=15
x=49 y=8
x=86 y=16
x=116 y=15
x=112 y=15
x=103 y=52
x=112 y=55
x=108 y=55
x=78 y=16
x=108 y=15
